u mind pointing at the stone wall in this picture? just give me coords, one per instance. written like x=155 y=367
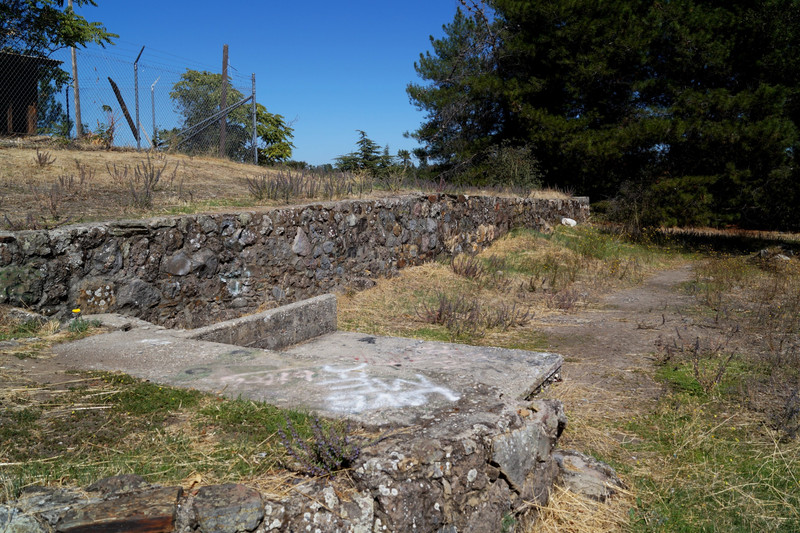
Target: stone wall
x=475 y=469
x=194 y=270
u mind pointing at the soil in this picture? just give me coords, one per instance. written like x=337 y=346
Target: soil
x=609 y=351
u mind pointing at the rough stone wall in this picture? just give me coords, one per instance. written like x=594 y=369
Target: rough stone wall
x=471 y=470
x=194 y=270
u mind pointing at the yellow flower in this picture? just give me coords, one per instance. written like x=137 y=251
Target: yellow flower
x=76 y=311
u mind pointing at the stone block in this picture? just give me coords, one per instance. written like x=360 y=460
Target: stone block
x=150 y=511
x=276 y=328
x=227 y=508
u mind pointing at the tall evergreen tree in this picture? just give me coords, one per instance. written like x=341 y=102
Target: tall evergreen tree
x=368 y=157
x=694 y=104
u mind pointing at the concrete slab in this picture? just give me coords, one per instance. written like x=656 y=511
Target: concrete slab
x=375 y=380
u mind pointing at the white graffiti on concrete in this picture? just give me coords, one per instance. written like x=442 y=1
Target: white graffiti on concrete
x=353 y=391
x=267 y=378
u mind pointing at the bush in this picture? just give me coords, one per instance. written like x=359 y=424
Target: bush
x=682 y=201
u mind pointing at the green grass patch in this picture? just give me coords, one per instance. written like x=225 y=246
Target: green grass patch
x=81 y=325
x=432 y=333
x=191 y=208
x=257 y=421
x=145 y=399
x=681 y=378
x=114 y=423
x=20 y=330
x=714 y=469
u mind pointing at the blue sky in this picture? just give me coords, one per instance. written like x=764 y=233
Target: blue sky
x=331 y=67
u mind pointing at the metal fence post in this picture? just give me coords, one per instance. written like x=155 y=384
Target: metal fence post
x=153 y=107
x=255 y=124
x=223 y=103
x=136 y=96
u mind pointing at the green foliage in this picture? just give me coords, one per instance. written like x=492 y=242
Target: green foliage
x=720 y=471
x=367 y=158
x=51 y=116
x=197 y=96
x=276 y=135
x=81 y=325
x=692 y=105
x=41 y=27
x=148 y=399
x=20 y=330
x=254 y=421
x=460 y=100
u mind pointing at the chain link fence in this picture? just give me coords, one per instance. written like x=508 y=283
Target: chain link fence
x=129 y=102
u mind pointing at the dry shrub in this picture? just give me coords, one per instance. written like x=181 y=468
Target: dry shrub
x=44 y=159
x=467 y=266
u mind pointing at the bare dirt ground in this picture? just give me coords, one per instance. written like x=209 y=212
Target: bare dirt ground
x=608 y=352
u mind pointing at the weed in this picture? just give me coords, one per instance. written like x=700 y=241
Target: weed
x=566 y=299
x=461 y=316
x=495 y=263
x=508 y=523
x=104 y=134
x=72 y=184
x=787 y=419
x=81 y=325
x=85 y=173
x=331 y=449
x=119 y=175
x=506 y=317
x=44 y=159
x=259 y=187
x=393 y=181
x=717 y=470
x=146 y=176
x=50 y=201
x=467 y=266
x=286 y=185
x=13 y=329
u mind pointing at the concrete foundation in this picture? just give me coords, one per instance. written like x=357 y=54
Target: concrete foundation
x=465 y=445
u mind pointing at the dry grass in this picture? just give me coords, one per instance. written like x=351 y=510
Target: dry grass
x=204 y=181
x=596 y=419
x=532 y=274
x=567 y=512
x=50 y=185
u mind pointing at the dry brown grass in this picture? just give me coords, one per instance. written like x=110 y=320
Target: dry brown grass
x=25 y=185
x=567 y=512
x=524 y=271
x=49 y=185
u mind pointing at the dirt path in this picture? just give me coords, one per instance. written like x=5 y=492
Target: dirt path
x=608 y=361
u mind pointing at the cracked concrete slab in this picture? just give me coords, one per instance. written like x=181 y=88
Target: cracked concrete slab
x=374 y=380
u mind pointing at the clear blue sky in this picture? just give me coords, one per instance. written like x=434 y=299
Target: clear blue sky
x=331 y=67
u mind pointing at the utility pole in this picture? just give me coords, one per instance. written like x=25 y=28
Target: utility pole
x=78 y=123
x=223 y=101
